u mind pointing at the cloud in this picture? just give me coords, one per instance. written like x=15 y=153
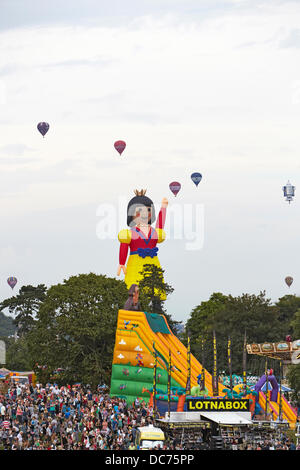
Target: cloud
x=292 y=40
x=207 y=87
x=15 y=150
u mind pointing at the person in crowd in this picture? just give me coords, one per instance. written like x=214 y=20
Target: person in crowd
x=49 y=417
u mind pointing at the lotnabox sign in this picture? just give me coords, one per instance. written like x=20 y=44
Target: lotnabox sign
x=196 y=404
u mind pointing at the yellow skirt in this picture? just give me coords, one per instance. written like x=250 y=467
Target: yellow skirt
x=134 y=268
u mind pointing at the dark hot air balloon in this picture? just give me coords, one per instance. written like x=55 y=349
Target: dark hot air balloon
x=289 y=192
x=43 y=128
x=120 y=146
x=289 y=280
x=175 y=187
x=12 y=281
x=196 y=178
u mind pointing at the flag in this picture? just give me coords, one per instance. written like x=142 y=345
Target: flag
x=215 y=369
x=245 y=364
x=188 y=380
x=154 y=381
x=169 y=383
x=203 y=370
x=229 y=362
x=267 y=389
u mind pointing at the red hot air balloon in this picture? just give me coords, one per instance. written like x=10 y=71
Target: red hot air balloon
x=175 y=187
x=120 y=146
x=12 y=281
x=43 y=128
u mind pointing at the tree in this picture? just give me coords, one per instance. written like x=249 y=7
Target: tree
x=154 y=292
x=232 y=316
x=295 y=324
x=17 y=354
x=24 y=306
x=288 y=306
x=7 y=327
x=293 y=373
x=75 y=328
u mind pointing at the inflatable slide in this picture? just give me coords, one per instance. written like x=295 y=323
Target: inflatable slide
x=138 y=336
x=288 y=413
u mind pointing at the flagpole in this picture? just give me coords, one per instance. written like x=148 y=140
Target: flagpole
x=189 y=366
x=245 y=364
x=280 y=392
x=267 y=387
x=215 y=369
x=203 y=371
x=229 y=363
x=154 y=382
x=169 y=384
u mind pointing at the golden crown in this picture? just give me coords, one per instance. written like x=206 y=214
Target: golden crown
x=142 y=192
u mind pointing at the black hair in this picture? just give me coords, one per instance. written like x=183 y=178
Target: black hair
x=139 y=199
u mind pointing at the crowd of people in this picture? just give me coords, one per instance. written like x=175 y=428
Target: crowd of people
x=74 y=418
x=68 y=418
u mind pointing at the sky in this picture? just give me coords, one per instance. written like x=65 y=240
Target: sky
x=195 y=85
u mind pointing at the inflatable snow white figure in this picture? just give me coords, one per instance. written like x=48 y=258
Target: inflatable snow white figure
x=141 y=238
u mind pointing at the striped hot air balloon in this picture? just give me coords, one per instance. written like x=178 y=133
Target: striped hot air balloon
x=120 y=146
x=43 y=128
x=196 y=178
x=12 y=281
x=175 y=187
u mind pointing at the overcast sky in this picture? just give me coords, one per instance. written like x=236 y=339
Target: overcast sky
x=191 y=85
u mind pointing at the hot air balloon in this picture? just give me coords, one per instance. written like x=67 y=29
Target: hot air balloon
x=196 y=178
x=175 y=187
x=120 y=146
x=43 y=128
x=12 y=281
x=289 y=280
x=288 y=192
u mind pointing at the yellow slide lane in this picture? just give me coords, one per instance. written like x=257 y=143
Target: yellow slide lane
x=134 y=343
x=139 y=339
x=196 y=367
x=287 y=411
x=133 y=329
x=179 y=360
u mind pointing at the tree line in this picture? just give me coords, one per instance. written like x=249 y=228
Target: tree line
x=67 y=332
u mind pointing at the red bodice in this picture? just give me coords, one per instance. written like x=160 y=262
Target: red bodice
x=139 y=240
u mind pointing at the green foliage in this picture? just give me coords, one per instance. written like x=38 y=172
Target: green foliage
x=293 y=374
x=288 y=306
x=17 y=354
x=293 y=377
x=154 y=292
x=232 y=316
x=7 y=327
x=75 y=328
x=24 y=306
x=72 y=326
x=295 y=324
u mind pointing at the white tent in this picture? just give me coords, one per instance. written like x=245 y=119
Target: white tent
x=227 y=417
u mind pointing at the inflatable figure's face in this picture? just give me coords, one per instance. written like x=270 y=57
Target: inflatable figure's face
x=141 y=214
x=140 y=211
